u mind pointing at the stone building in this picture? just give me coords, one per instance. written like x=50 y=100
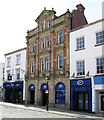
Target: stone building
x=48 y=55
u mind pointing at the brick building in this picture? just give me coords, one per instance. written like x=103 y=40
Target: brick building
x=48 y=56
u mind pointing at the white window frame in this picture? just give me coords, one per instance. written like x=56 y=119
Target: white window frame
x=9 y=61
x=42 y=65
x=100 y=37
x=60 y=60
x=17 y=74
x=100 y=63
x=60 y=37
x=80 y=43
x=47 y=64
x=42 y=43
x=32 y=67
x=80 y=68
x=18 y=59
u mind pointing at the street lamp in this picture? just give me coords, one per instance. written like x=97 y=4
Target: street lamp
x=47 y=93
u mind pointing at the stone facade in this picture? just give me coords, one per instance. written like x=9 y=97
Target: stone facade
x=56 y=28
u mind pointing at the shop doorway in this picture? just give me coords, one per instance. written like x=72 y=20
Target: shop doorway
x=102 y=102
x=32 y=94
x=82 y=101
x=44 y=98
x=9 y=95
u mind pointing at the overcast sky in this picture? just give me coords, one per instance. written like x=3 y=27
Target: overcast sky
x=17 y=16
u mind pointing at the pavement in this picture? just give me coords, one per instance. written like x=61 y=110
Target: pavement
x=54 y=110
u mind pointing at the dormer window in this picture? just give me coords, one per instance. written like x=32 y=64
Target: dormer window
x=41 y=27
x=49 y=23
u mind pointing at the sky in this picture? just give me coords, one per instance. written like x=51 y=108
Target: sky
x=18 y=16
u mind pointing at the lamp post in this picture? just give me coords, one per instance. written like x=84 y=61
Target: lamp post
x=47 y=93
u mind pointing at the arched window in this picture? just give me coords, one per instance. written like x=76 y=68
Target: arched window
x=49 y=23
x=44 y=87
x=60 y=93
x=32 y=47
x=41 y=27
x=31 y=87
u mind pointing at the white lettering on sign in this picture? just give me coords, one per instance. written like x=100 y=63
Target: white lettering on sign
x=80 y=82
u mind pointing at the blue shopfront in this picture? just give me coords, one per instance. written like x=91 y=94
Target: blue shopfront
x=13 y=92
x=80 y=95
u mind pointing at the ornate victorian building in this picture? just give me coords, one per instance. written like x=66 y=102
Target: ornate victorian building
x=48 y=55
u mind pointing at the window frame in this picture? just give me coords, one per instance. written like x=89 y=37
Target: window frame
x=60 y=61
x=49 y=23
x=42 y=44
x=41 y=27
x=101 y=36
x=80 y=68
x=42 y=65
x=80 y=43
x=8 y=61
x=60 y=37
x=17 y=74
x=32 y=67
x=18 y=59
x=32 y=47
x=47 y=64
x=48 y=41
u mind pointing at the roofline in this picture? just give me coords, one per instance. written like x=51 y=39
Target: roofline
x=86 y=25
x=15 y=51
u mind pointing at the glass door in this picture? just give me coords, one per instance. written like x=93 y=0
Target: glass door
x=86 y=101
x=102 y=103
x=80 y=101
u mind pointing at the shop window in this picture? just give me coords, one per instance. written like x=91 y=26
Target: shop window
x=60 y=93
x=100 y=65
x=100 y=37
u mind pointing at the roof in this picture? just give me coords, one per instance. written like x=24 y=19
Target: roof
x=86 y=25
x=15 y=51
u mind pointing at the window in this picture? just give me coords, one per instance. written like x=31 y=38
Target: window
x=80 y=68
x=60 y=61
x=32 y=67
x=9 y=77
x=49 y=23
x=32 y=47
x=100 y=37
x=60 y=37
x=48 y=42
x=18 y=74
x=100 y=65
x=60 y=93
x=41 y=27
x=80 y=43
x=18 y=59
x=47 y=64
x=42 y=44
x=8 y=61
x=42 y=65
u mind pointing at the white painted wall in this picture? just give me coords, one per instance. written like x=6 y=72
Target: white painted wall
x=1 y=73
x=89 y=54
x=13 y=67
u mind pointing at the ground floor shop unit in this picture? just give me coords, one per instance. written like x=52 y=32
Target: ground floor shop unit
x=58 y=93
x=81 y=95
x=13 y=92
x=98 y=94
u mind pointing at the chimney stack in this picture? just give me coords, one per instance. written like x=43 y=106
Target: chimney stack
x=81 y=8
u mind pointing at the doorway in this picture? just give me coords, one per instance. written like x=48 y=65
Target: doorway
x=82 y=101
x=44 y=98
x=102 y=102
x=32 y=94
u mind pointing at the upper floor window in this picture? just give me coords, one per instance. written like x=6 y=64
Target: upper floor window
x=8 y=61
x=60 y=61
x=41 y=27
x=80 y=43
x=100 y=37
x=42 y=65
x=18 y=59
x=48 y=42
x=100 y=65
x=32 y=47
x=32 y=67
x=49 y=23
x=80 y=68
x=42 y=44
x=47 y=64
x=60 y=37
x=17 y=74
x=9 y=76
